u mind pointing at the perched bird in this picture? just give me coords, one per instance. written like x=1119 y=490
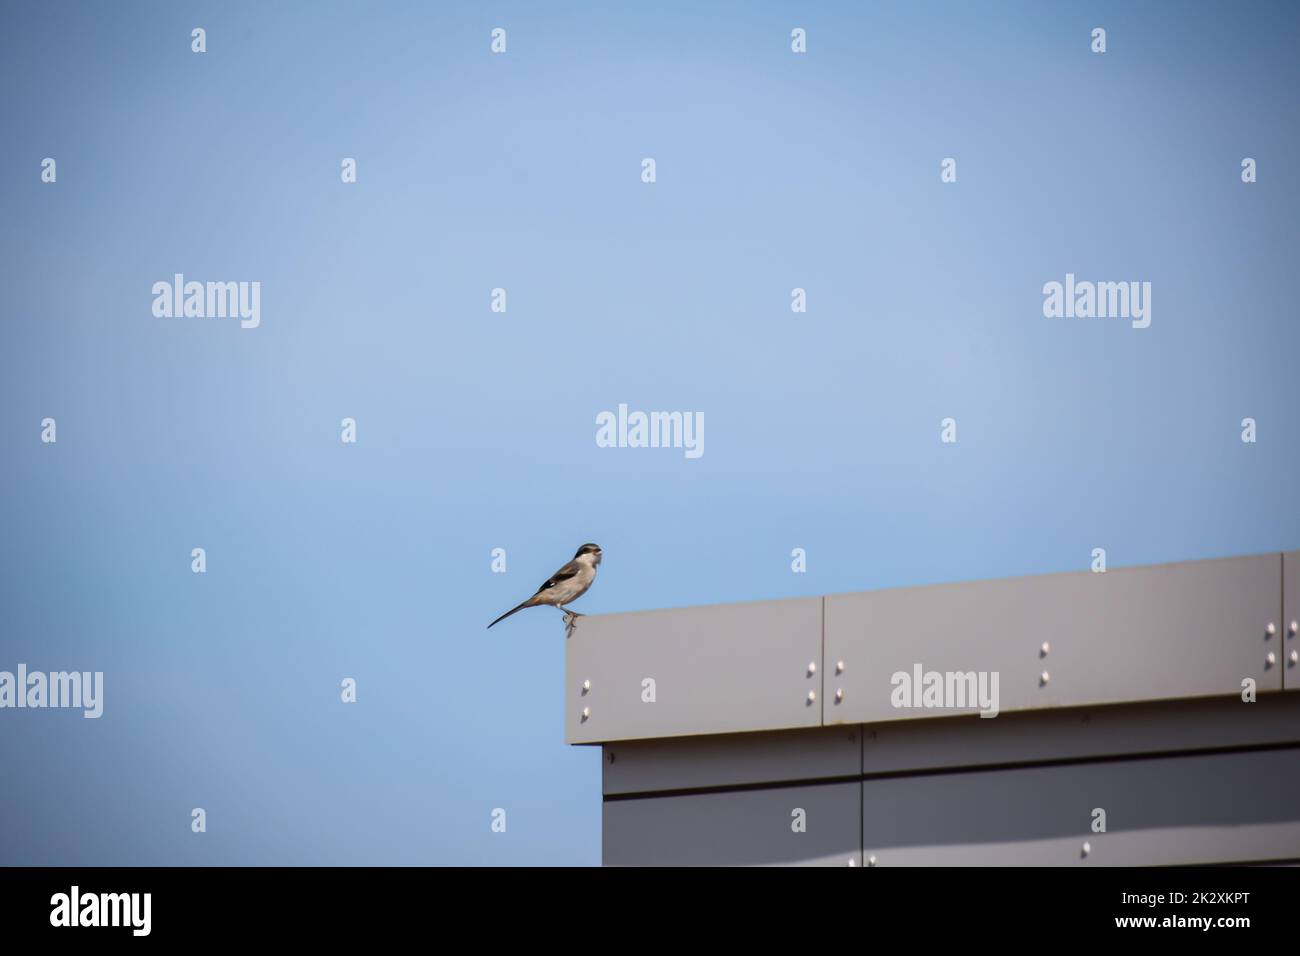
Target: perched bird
x=565 y=585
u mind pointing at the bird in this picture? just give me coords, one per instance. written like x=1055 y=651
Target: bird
x=565 y=585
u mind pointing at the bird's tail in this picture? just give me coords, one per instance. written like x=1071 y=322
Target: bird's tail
x=529 y=603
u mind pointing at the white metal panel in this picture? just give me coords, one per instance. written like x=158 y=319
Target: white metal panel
x=716 y=669
x=1166 y=631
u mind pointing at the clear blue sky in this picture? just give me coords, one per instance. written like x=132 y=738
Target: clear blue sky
x=476 y=429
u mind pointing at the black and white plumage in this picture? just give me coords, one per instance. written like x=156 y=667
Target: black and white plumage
x=567 y=584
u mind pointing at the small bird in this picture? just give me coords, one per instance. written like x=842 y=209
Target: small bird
x=567 y=584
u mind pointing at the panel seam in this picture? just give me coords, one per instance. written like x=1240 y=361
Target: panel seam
x=949 y=771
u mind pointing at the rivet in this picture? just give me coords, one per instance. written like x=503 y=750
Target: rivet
x=1045 y=649
x=1087 y=847
x=1044 y=677
x=1271 y=629
x=812 y=696
x=586 y=712
x=839 y=691
x=812 y=667
x=839 y=665
x=586 y=686
x=1270 y=658
x=871 y=860
x=1295 y=628
x=1294 y=658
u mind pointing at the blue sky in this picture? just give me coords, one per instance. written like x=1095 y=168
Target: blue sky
x=476 y=429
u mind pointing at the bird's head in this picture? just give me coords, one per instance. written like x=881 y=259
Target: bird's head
x=589 y=549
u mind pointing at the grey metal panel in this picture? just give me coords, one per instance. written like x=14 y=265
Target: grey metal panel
x=1116 y=729
x=1289 y=625
x=744 y=828
x=678 y=763
x=716 y=669
x=638 y=766
x=1164 y=631
x=1182 y=810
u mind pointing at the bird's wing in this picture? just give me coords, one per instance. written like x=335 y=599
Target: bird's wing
x=569 y=570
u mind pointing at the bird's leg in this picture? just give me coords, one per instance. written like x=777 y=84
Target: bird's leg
x=570 y=619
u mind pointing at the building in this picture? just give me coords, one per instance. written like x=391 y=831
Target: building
x=1145 y=716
